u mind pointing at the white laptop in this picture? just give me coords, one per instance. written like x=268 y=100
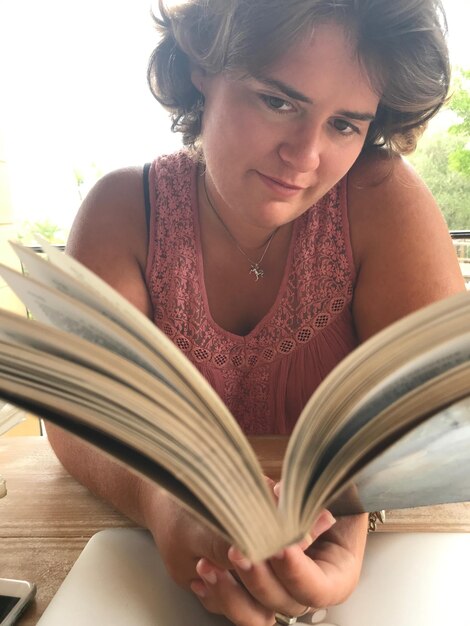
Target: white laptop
x=419 y=579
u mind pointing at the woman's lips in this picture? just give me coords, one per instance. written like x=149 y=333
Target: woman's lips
x=280 y=186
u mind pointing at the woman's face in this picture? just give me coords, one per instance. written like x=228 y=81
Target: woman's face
x=275 y=144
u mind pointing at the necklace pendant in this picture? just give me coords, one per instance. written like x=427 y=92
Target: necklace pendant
x=257 y=271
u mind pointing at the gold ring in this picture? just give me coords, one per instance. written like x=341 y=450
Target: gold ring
x=285 y=620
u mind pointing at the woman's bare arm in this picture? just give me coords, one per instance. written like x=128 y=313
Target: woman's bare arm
x=403 y=251
x=109 y=236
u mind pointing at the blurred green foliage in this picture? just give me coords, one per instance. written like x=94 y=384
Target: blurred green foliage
x=443 y=158
x=50 y=231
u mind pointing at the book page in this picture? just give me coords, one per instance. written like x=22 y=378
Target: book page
x=71 y=278
x=391 y=425
x=66 y=275
x=410 y=376
x=365 y=367
x=62 y=311
x=375 y=375
x=380 y=372
x=189 y=450
x=128 y=417
x=427 y=466
x=71 y=316
x=168 y=404
x=17 y=330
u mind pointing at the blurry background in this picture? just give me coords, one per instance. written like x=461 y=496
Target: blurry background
x=75 y=104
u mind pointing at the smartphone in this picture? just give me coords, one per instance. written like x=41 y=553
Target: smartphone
x=15 y=596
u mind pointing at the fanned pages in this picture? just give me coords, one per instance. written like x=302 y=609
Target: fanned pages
x=373 y=435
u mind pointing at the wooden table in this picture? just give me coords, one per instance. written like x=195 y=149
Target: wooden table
x=47 y=517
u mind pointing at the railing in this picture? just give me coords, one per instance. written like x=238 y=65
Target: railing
x=59 y=246
x=461 y=240
x=460 y=234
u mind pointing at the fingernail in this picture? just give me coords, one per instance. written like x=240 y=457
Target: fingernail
x=210 y=577
x=206 y=572
x=277 y=489
x=306 y=542
x=239 y=560
x=323 y=523
x=270 y=482
x=199 y=588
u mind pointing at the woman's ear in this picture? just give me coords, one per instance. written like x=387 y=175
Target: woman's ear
x=198 y=76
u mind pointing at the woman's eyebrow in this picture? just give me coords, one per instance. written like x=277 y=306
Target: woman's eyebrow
x=284 y=88
x=357 y=115
x=290 y=92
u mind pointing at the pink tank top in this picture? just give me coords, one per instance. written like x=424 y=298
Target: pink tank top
x=267 y=376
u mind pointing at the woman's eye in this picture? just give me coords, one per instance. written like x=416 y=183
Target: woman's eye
x=276 y=104
x=344 y=127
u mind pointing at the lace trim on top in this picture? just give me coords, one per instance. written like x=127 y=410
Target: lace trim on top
x=267 y=376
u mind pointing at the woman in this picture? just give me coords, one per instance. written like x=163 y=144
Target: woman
x=289 y=231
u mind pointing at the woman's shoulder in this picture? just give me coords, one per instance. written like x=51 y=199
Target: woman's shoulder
x=123 y=189
x=117 y=186
x=116 y=203
x=401 y=245
x=113 y=209
x=377 y=173
x=387 y=198
x=109 y=234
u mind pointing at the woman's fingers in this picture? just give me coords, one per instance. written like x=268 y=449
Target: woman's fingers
x=264 y=585
x=287 y=583
x=220 y=593
x=266 y=581
x=288 y=591
x=329 y=571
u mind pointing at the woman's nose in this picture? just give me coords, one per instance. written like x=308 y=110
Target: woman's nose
x=302 y=150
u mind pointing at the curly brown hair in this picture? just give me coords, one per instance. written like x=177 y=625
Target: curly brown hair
x=401 y=43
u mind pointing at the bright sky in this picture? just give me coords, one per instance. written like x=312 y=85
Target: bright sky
x=75 y=93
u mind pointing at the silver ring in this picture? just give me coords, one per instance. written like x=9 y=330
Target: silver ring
x=285 y=620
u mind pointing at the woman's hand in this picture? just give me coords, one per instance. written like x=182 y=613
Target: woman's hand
x=181 y=539
x=320 y=572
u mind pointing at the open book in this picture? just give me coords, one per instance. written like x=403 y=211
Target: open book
x=388 y=428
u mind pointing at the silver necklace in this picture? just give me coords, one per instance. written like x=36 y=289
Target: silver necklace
x=255 y=266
